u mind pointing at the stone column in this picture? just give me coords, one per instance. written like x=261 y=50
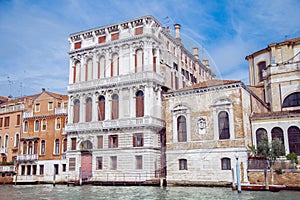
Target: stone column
x=107 y=106
x=147 y=101
x=94 y=108
x=286 y=142
x=132 y=102
x=82 y=109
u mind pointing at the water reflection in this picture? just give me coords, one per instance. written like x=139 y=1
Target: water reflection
x=134 y=192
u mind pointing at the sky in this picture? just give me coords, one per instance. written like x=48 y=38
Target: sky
x=34 y=34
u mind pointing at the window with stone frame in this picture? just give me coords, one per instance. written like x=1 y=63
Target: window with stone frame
x=138 y=31
x=114 y=70
x=25 y=126
x=37 y=107
x=138 y=140
x=115 y=106
x=277 y=132
x=101 y=108
x=294 y=139
x=6 y=121
x=18 y=120
x=102 y=39
x=114 y=36
x=41 y=170
x=261 y=66
x=77 y=45
x=224 y=129
x=99 y=163
x=73 y=143
x=1 y=122
x=113 y=163
x=50 y=105
x=140 y=104
x=43 y=147
x=259 y=134
x=72 y=164
x=181 y=129
x=57 y=123
x=292 y=100
x=139 y=162
x=88 y=110
x=65 y=145
x=57 y=144
x=183 y=164
x=225 y=164
x=44 y=124
x=113 y=141
x=139 y=60
x=36 y=125
x=100 y=142
x=76 y=111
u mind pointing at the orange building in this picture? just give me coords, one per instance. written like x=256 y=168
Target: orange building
x=43 y=141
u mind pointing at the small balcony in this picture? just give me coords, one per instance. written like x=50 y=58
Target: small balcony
x=27 y=114
x=7 y=168
x=3 y=150
x=61 y=110
x=14 y=108
x=27 y=157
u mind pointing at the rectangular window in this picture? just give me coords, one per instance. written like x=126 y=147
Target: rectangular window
x=1 y=122
x=139 y=31
x=226 y=164
x=72 y=163
x=73 y=145
x=64 y=166
x=18 y=120
x=50 y=105
x=37 y=107
x=139 y=162
x=114 y=36
x=112 y=141
x=33 y=169
x=113 y=162
x=138 y=140
x=182 y=164
x=99 y=163
x=100 y=142
x=59 y=105
x=41 y=169
x=22 y=169
x=102 y=39
x=6 y=122
x=77 y=45
x=56 y=169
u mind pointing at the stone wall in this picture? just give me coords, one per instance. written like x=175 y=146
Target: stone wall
x=289 y=178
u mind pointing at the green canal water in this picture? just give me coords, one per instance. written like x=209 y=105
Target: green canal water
x=47 y=192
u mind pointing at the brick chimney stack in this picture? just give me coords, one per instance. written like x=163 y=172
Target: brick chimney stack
x=177 y=32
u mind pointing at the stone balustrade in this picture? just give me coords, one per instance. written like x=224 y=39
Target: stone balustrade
x=14 y=108
x=27 y=157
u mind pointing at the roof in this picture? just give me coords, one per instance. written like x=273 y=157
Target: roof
x=3 y=99
x=288 y=41
x=205 y=84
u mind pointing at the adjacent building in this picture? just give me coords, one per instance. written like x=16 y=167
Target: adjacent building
x=42 y=142
x=116 y=127
x=275 y=72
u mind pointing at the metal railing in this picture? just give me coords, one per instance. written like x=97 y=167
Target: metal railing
x=12 y=108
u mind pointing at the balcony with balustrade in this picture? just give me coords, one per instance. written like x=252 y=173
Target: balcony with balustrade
x=27 y=114
x=14 y=108
x=27 y=157
x=3 y=150
x=7 y=168
x=117 y=80
x=147 y=121
x=61 y=111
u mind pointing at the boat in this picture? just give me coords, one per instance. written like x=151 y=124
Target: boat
x=276 y=188
x=260 y=187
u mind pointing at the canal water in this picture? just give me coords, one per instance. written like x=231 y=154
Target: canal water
x=62 y=192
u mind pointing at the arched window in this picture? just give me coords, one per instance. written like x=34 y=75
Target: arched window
x=44 y=124
x=65 y=144
x=226 y=164
x=139 y=60
x=181 y=129
x=86 y=145
x=294 y=139
x=76 y=72
x=183 y=164
x=139 y=104
x=6 y=141
x=26 y=126
x=56 y=149
x=0 y=141
x=259 y=134
x=115 y=65
x=292 y=100
x=223 y=125
x=76 y=111
x=89 y=70
x=30 y=148
x=43 y=147
x=88 y=110
x=58 y=123
x=277 y=133
x=101 y=108
x=36 y=125
x=24 y=147
x=35 y=147
x=115 y=106
x=17 y=140
x=101 y=67
x=261 y=66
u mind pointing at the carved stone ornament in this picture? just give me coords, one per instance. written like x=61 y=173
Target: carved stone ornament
x=201 y=124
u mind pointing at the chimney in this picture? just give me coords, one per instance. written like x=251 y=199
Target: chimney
x=195 y=50
x=9 y=98
x=177 y=32
x=43 y=89
x=206 y=63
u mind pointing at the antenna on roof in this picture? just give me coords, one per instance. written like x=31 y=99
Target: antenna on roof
x=21 y=88
x=10 y=82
